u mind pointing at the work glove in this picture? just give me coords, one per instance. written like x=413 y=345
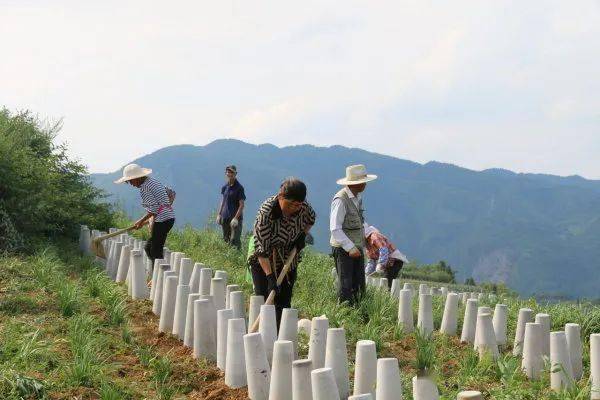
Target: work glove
x=300 y=242
x=218 y=220
x=379 y=268
x=234 y=223
x=272 y=283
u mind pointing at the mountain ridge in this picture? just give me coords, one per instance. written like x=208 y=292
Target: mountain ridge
x=494 y=224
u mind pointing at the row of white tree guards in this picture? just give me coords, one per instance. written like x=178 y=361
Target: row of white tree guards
x=208 y=315
x=486 y=330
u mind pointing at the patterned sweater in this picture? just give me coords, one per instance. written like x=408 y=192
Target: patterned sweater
x=274 y=232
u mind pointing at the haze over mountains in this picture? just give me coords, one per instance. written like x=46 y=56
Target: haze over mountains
x=538 y=233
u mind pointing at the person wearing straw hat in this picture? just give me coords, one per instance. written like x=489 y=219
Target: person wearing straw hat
x=347 y=228
x=157 y=199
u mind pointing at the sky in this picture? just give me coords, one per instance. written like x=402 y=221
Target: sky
x=480 y=84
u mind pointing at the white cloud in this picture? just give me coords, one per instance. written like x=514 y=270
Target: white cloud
x=481 y=84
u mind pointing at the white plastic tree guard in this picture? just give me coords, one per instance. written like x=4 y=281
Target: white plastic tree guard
x=469 y=322
x=186 y=267
x=188 y=339
x=288 y=328
x=235 y=360
x=167 y=312
x=195 y=278
x=561 y=371
x=205 y=279
x=228 y=290
x=499 y=321
x=223 y=317
x=366 y=396
x=525 y=316
x=268 y=329
x=450 y=317
x=469 y=395
x=595 y=365
x=155 y=270
x=176 y=261
x=424 y=289
x=383 y=284
x=317 y=344
x=167 y=255
x=258 y=372
x=123 y=264
x=139 y=287
x=486 y=340
x=281 y=374
x=254 y=309
x=237 y=304
x=425 y=314
x=217 y=290
x=115 y=259
x=544 y=321
x=324 y=385
x=205 y=345
x=573 y=333
x=181 y=302
x=395 y=290
x=424 y=388
x=388 y=380
x=532 y=362
x=158 y=292
x=405 y=312
x=336 y=358
x=365 y=367
x=222 y=275
x=301 y=384
x=304 y=326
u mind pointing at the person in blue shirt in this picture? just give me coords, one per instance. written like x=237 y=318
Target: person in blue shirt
x=230 y=214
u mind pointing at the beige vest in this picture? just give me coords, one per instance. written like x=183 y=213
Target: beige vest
x=353 y=225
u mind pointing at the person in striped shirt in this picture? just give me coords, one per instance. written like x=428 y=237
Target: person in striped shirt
x=282 y=223
x=157 y=200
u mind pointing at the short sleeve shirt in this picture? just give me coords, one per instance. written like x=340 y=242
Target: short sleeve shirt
x=232 y=194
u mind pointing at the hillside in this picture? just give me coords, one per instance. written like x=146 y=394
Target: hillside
x=537 y=233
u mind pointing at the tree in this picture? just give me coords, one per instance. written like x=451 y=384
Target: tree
x=43 y=193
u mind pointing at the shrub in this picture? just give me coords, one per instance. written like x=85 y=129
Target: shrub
x=43 y=193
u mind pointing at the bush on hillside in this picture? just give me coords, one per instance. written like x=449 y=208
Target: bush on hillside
x=43 y=193
x=438 y=272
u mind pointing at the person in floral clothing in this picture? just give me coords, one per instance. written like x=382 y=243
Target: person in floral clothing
x=383 y=257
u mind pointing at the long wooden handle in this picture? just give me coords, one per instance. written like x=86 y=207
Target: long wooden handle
x=116 y=233
x=280 y=278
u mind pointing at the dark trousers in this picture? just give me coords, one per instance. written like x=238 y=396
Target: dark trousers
x=392 y=272
x=154 y=245
x=351 y=275
x=283 y=299
x=235 y=238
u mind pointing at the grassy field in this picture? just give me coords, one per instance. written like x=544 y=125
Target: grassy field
x=66 y=331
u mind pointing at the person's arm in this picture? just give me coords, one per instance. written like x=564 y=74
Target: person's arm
x=336 y=219
x=142 y=221
x=239 y=210
x=218 y=220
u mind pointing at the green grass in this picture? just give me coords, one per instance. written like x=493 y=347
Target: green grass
x=458 y=367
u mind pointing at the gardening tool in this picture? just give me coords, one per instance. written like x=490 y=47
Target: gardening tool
x=97 y=247
x=280 y=278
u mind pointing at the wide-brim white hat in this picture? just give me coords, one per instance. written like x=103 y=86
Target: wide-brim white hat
x=355 y=175
x=133 y=171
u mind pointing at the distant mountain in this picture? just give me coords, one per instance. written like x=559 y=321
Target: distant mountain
x=538 y=233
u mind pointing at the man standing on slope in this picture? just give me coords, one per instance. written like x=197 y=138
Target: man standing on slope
x=347 y=226
x=232 y=205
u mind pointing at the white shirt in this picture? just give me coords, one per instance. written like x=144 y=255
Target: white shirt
x=336 y=219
